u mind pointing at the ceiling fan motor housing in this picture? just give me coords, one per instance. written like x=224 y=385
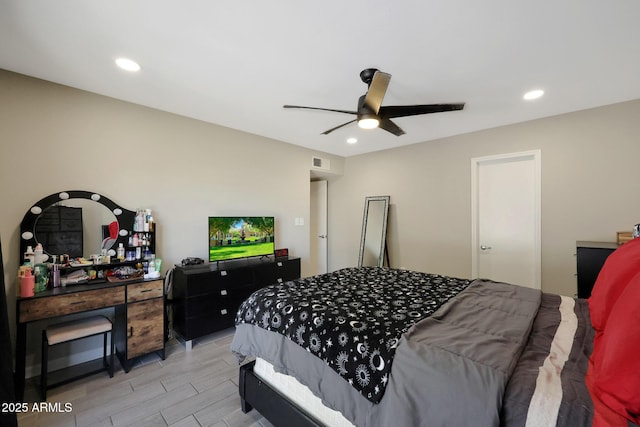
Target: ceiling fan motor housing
x=367 y=74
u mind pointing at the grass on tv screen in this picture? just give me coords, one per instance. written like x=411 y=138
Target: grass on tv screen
x=240 y=237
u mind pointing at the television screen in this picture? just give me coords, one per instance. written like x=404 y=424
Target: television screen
x=240 y=237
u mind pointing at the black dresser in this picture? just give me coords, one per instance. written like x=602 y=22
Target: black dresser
x=590 y=259
x=206 y=297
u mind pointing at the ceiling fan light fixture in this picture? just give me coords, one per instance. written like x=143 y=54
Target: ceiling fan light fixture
x=368 y=121
x=371 y=114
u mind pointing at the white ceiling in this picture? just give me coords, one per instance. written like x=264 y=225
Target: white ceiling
x=235 y=63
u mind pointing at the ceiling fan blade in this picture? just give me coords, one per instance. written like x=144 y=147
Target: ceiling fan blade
x=391 y=111
x=326 y=132
x=389 y=126
x=322 y=109
x=377 y=90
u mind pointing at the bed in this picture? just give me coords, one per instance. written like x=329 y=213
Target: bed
x=384 y=346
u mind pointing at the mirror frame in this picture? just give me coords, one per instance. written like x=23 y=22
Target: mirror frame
x=27 y=226
x=383 y=240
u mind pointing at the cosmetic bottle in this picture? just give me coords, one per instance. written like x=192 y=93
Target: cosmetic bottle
x=41 y=277
x=38 y=255
x=55 y=275
x=27 y=284
x=140 y=221
x=120 y=252
x=29 y=256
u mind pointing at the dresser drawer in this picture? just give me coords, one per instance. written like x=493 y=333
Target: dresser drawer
x=216 y=320
x=277 y=272
x=43 y=308
x=144 y=290
x=218 y=282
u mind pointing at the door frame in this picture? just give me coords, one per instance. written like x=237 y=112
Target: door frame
x=476 y=162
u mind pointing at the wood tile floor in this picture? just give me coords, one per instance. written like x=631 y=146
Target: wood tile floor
x=187 y=389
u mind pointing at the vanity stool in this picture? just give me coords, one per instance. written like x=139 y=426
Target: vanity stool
x=70 y=331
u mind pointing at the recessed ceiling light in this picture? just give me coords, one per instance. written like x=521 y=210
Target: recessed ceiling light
x=352 y=140
x=128 y=64
x=533 y=94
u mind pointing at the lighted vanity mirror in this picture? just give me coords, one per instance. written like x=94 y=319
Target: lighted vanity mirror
x=77 y=223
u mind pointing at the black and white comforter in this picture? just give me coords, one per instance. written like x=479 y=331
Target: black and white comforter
x=493 y=354
x=353 y=318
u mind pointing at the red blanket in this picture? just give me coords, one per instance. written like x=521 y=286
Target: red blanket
x=613 y=377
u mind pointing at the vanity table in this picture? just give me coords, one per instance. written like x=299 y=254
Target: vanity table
x=138 y=304
x=138 y=325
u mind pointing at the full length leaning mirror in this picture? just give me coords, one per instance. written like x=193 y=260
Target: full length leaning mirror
x=373 y=241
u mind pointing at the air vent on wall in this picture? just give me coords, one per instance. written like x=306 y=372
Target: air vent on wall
x=320 y=163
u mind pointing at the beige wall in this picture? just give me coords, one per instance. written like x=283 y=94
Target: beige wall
x=55 y=138
x=589 y=176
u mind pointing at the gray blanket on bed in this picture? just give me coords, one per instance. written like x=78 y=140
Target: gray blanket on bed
x=449 y=369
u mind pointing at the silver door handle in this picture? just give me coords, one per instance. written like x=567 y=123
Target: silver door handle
x=322 y=236
x=484 y=248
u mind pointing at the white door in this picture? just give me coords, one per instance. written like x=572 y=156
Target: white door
x=318 y=228
x=506 y=218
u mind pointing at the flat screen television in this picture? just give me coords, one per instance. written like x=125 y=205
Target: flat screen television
x=232 y=237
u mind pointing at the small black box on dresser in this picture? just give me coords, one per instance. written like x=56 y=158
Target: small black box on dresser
x=206 y=297
x=590 y=257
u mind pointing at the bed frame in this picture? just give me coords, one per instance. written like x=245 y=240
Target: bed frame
x=275 y=407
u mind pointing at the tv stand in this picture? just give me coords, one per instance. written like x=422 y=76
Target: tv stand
x=206 y=297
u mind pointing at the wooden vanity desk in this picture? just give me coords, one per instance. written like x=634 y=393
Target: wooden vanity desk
x=139 y=324
x=77 y=222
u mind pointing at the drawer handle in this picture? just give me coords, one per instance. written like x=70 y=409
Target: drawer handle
x=146 y=290
x=76 y=302
x=130 y=331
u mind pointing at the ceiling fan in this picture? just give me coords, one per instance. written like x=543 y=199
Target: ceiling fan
x=370 y=114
